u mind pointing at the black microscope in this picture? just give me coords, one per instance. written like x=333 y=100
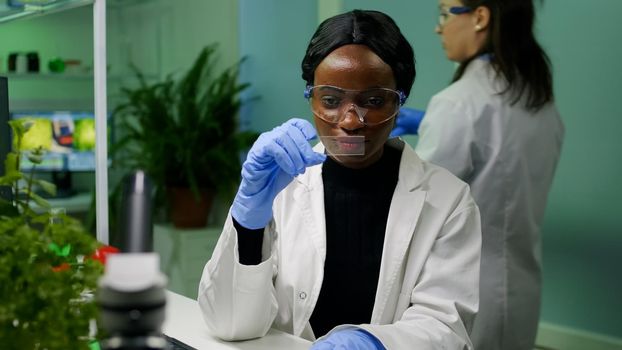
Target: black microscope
x=132 y=292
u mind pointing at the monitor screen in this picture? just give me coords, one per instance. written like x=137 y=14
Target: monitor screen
x=5 y=134
x=68 y=138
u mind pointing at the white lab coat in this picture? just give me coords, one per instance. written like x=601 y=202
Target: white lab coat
x=428 y=285
x=508 y=156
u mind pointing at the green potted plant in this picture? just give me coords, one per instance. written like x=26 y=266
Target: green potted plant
x=184 y=134
x=48 y=264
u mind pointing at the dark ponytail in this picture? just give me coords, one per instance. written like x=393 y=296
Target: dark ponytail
x=516 y=54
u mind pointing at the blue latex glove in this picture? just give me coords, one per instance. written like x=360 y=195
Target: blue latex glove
x=349 y=339
x=408 y=121
x=272 y=163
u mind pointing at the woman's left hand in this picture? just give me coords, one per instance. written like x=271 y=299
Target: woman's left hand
x=349 y=339
x=408 y=121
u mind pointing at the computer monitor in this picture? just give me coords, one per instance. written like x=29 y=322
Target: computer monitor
x=5 y=133
x=68 y=138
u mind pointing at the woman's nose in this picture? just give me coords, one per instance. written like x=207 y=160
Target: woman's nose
x=351 y=119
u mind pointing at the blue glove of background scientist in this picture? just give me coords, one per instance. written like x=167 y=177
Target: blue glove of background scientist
x=348 y=339
x=272 y=163
x=407 y=122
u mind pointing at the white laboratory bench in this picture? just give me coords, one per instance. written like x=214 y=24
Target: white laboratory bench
x=185 y=323
x=183 y=254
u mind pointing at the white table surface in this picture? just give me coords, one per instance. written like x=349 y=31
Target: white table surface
x=184 y=322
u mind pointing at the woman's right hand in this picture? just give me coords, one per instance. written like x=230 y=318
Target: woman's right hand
x=272 y=162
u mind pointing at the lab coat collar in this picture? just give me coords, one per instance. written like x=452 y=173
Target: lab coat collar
x=406 y=206
x=411 y=168
x=477 y=65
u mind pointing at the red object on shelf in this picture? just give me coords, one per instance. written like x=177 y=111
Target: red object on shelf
x=62 y=267
x=102 y=252
x=65 y=140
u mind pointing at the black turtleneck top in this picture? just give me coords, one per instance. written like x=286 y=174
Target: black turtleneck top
x=356 y=205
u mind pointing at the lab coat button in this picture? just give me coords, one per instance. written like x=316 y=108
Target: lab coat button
x=302 y=295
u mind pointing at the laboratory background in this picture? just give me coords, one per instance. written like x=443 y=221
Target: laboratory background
x=48 y=60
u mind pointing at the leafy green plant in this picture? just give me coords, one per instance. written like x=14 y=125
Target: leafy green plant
x=46 y=268
x=14 y=177
x=184 y=133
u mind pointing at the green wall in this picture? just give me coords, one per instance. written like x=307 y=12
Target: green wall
x=582 y=229
x=67 y=35
x=158 y=36
x=274 y=36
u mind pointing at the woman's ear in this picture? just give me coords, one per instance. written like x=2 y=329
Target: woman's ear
x=481 y=18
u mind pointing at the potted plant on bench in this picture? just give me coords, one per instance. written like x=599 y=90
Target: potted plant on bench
x=184 y=134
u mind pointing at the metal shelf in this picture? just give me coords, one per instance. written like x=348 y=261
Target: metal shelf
x=69 y=77
x=10 y=13
x=32 y=10
x=99 y=77
x=47 y=76
x=43 y=7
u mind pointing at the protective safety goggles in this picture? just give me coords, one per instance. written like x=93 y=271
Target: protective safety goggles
x=454 y=10
x=372 y=106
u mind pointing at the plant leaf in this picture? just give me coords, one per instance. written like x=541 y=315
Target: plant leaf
x=10 y=162
x=184 y=131
x=66 y=250
x=39 y=200
x=48 y=187
x=7 y=209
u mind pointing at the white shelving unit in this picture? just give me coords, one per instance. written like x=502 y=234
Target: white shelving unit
x=101 y=120
x=39 y=8
x=47 y=76
x=99 y=84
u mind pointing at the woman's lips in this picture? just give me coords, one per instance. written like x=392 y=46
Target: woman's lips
x=344 y=145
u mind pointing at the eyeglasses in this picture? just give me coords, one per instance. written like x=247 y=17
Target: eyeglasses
x=454 y=10
x=372 y=106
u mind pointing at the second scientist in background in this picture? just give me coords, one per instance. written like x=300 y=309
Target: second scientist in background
x=497 y=128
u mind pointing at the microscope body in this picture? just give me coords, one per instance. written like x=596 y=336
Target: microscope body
x=132 y=292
